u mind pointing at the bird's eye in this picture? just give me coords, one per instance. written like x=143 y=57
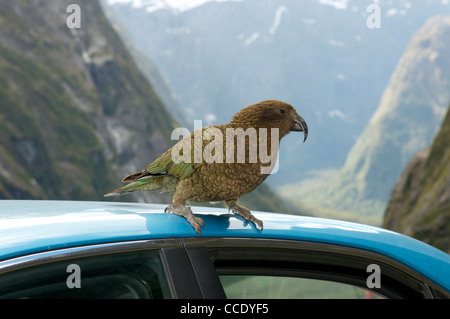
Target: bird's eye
x=282 y=111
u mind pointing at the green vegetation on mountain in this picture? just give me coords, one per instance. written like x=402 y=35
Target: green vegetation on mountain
x=420 y=202
x=45 y=138
x=66 y=94
x=76 y=113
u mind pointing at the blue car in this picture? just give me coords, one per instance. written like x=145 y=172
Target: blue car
x=75 y=249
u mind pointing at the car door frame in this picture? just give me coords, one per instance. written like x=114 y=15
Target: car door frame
x=192 y=265
x=317 y=261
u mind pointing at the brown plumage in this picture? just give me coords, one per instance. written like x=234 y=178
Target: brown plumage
x=211 y=172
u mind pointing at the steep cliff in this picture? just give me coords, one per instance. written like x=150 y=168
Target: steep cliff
x=420 y=202
x=75 y=113
x=410 y=113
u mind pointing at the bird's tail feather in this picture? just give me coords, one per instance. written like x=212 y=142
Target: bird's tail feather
x=143 y=184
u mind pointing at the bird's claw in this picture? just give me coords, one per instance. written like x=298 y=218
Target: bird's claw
x=256 y=221
x=259 y=223
x=186 y=212
x=199 y=221
x=246 y=214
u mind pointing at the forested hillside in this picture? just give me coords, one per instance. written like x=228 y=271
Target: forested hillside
x=420 y=202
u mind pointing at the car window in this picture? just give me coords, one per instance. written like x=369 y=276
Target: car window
x=137 y=275
x=250 y=268
x=279 y=287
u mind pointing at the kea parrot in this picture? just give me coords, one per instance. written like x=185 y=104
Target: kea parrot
x=232 y=165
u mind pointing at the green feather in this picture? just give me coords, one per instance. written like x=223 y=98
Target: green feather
x=163 y=174
x=139 y=185
x=164 y=165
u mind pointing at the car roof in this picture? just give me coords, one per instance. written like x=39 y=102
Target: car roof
x=31 y=226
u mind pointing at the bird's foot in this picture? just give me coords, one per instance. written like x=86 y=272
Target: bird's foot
x=186 y=212
x=245 y=213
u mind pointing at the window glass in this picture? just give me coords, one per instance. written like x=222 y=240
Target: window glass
x=137 y=275
x=278 y=287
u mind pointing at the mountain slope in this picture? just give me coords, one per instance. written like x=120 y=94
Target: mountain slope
x=75 y=112
x=420 y=202
x=410 y=112
x=320 y=56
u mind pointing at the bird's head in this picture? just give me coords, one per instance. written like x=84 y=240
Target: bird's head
x=271 y=114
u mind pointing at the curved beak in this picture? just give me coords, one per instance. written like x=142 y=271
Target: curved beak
x=300 y=125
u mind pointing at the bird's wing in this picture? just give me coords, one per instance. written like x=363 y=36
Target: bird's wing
x=159 y=165
x=153 y=177
x=181 y=168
